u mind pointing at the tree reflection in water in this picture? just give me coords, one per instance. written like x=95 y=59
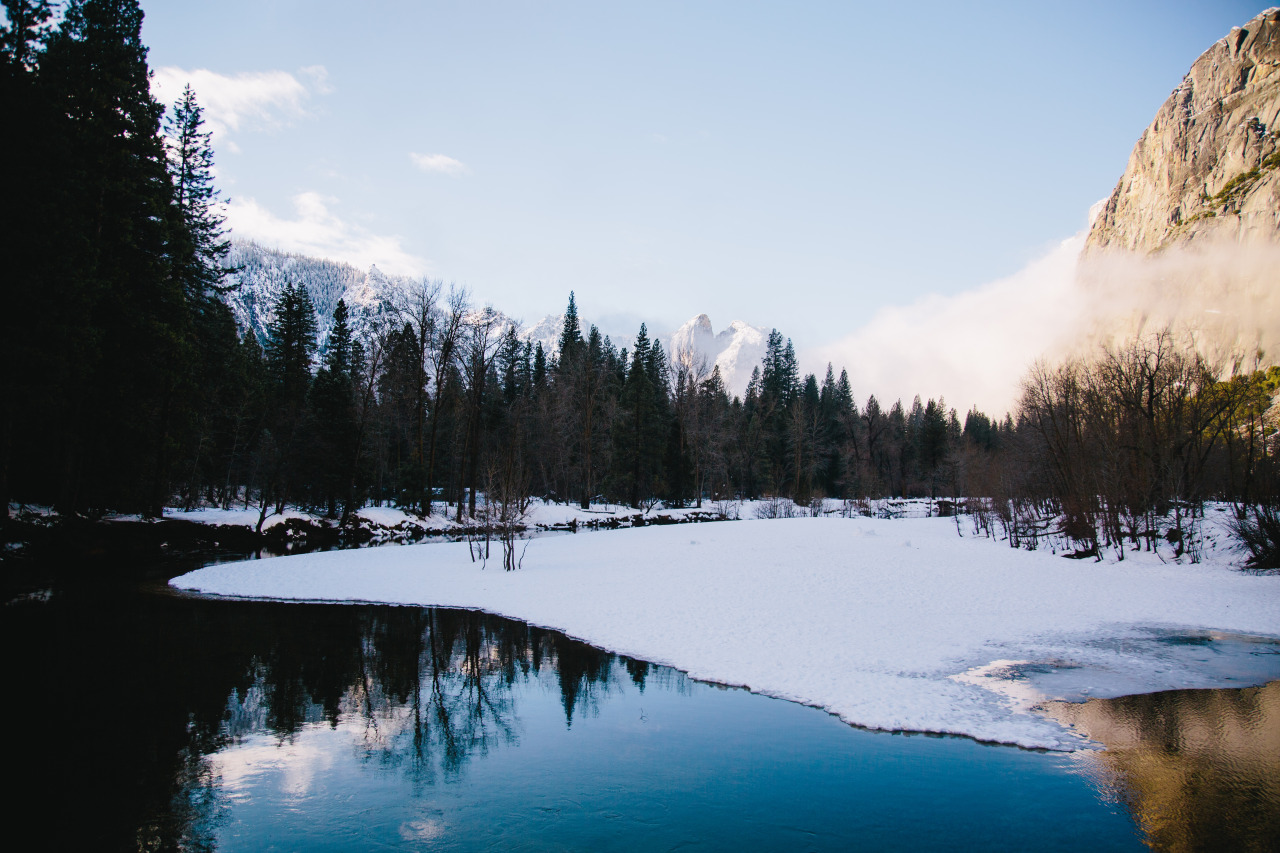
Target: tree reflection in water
x=1199 y=769
x=156 y=685
x=431 y=687
x=132 y=714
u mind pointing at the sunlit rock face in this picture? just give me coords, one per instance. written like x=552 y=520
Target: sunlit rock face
x=1199 y=769
x=1189 y=240
x=1206 y=168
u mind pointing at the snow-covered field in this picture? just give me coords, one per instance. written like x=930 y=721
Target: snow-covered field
x=894 y=624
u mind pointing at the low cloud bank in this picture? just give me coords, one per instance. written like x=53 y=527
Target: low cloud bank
x=317 y=231
x=973 y=348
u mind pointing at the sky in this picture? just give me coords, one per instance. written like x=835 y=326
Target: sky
x=811 y=167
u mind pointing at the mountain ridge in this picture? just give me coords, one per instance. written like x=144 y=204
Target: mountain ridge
x=260 y=274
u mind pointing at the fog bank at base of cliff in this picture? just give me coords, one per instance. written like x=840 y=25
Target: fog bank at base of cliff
x=973 y=348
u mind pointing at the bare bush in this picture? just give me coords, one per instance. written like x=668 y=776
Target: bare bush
x=1259 y=531
x=728 y=508
x=775 y=508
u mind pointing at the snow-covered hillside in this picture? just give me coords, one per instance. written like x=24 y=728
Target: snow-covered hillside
x=261 y=275
x=546 y=332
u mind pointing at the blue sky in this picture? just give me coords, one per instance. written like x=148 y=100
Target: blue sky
x=799 y=166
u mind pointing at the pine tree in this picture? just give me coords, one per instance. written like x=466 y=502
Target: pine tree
x=27 y=230
x=934 y=445
x=571 y=346
x=591 y=386
x=874 y=429
x=539 y=369
x=202 y=250
x=291 y=345
x=645 y=429
x=508 y=364
x=121 y=338
x=333 y=449
x=28 y=25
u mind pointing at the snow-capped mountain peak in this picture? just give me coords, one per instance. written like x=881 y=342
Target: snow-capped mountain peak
x=735 y=350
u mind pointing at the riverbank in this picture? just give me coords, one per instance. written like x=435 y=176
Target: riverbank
x=129 y=543
x=891 y=624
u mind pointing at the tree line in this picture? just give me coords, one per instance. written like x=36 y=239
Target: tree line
x=440 y=406
x=440 y=402
x=128 y=385
x=1124 y=446
x=116 y=341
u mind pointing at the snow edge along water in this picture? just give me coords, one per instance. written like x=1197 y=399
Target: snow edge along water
x=874 y=621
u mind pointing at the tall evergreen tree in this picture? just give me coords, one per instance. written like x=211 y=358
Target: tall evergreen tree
x=333 y=449
x=571 y=347
x=291 y=345
x=121 y=343
x=27 y=230
x=202 y=249
x=641 y=434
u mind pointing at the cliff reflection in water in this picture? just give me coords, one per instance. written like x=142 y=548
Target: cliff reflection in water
x=1199 y=769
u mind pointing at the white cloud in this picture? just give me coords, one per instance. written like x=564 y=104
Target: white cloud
x=318 y=231
x=319 y=77
x=251 y=100
x=972 y=348
x=439 y=163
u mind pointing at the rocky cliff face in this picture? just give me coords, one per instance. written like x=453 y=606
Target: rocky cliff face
x=1208 y=167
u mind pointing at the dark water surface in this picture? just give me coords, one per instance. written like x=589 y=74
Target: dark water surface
x=142 y=720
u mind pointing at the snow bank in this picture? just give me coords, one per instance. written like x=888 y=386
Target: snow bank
x=891 y=624
x=385 y=522
x=234 y=517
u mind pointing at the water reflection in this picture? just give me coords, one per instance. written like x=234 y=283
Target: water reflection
x=156 y=723
x=1199 y=769
x=430 y=686
x=142 y=690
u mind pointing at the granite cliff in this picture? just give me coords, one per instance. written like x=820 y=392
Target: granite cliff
x=1207 y=169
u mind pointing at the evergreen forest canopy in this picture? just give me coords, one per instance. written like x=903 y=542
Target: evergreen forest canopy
x=129 y=386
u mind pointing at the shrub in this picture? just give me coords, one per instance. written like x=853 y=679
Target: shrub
x=776 y=508
x=1259 y=531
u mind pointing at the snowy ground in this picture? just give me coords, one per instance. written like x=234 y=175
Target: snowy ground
x=393 y=524
x=894 y=624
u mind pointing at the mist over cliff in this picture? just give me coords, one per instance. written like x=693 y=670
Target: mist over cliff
x=1188 y=239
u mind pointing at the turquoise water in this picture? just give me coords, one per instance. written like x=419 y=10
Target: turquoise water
x=157 y=722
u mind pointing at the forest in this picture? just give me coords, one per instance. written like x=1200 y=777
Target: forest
x=129 y=386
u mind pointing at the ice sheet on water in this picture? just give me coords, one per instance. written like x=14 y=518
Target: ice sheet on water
x=1126 y=662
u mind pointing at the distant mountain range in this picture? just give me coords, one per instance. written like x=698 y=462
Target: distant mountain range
x=261 y=275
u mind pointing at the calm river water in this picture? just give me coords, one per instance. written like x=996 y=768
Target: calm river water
x=142 y=720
